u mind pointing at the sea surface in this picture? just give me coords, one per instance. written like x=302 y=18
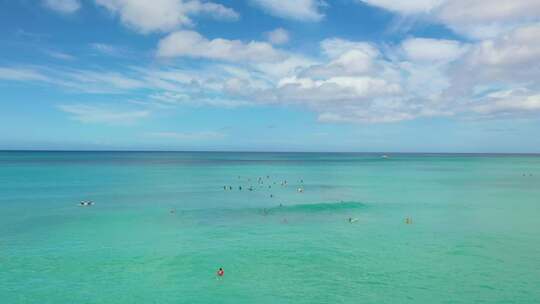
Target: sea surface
x=162 y=224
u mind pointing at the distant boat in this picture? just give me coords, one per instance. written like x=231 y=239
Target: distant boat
x=86 y=203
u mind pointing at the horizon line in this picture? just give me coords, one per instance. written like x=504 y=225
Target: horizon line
x=254 y=151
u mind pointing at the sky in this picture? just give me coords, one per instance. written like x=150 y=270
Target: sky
x=270 y=75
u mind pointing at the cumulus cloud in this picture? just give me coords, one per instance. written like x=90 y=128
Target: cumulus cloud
x=335 y=47
x=348 y=81
x=164 y=15
x=63 y=6
x=278 y=36
x=432 y=50
x=512 y=59
x=303 y=10
x=478 y=19
x=346 y=58
x=103 y=114
x=193 y=44
x=485 y=18
x=509 y=102
x=405 y=7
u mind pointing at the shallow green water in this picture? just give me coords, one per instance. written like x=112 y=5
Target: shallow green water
x=475 y=236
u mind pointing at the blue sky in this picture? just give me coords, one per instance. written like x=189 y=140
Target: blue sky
x=270 y=75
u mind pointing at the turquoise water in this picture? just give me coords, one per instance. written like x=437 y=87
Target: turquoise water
x=475 y=236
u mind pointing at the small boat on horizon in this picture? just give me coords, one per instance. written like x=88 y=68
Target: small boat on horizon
x=86 y=203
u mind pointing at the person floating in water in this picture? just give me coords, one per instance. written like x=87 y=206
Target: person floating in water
x=220 y=272
x=240 y=188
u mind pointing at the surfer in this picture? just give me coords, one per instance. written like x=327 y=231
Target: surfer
x=220 y=272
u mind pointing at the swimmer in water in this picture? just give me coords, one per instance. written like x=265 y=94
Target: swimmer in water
x=220 y=272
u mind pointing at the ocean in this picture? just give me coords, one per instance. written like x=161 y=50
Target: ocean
x=303 y=228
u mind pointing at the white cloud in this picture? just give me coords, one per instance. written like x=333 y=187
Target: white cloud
x=192 y=44
x=345 y=58
x=519 y=47
x=278 y=36
x=478 y=19
x=509 y=102
x=63 y=6
x=105 y=48
x=350 y=81
x=512 y=59
x=22 y=74
x=486 y=18
x=336 y=47
x=432 y=50
x=103 y=114
x=215 y=10
x=303 y=10
x=170 y=99
x=103 y=79
x=164 y=15
x=60 y=55
x=406 y=6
